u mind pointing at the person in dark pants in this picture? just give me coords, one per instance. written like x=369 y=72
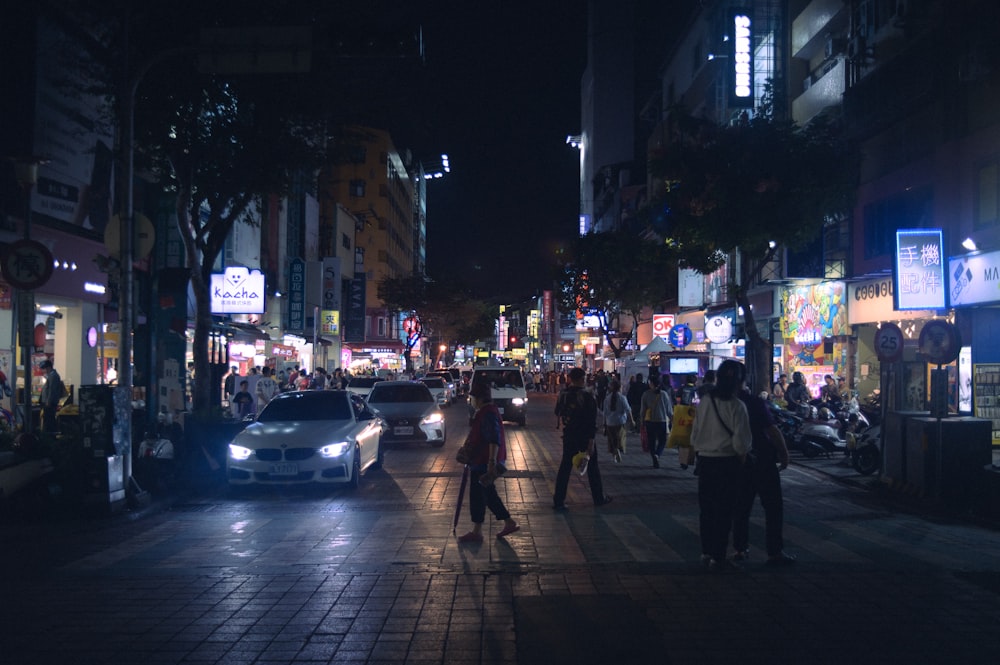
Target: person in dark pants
x=636 y=388
x=487 y=437
x=721 y=435
x=52 y=392
x=761 y=477
x=578 y=410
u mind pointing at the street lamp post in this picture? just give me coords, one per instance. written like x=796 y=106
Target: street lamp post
x=26 y=171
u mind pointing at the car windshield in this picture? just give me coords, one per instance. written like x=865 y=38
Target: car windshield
x=307 y=405
x=500 y=378
x=389 y=393
x=364 y=382
x=433 y=383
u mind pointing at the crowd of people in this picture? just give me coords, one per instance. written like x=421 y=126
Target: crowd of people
x=739 y=452
x=248 y=394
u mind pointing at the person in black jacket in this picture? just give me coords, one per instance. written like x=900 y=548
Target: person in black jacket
x=636 y=388
x=578 y=410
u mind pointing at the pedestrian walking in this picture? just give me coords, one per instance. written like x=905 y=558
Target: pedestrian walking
x=636 y=389
x=657 y=410
x=721 y=436
x=266 y=388
x=617 y=418
x=761 y=477
x=489 y=443
x=579 y=424
x=52 y=393
x=242 y=402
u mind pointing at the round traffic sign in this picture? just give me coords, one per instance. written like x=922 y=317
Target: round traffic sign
x=889 y=343
x=27 y=264
x=680 y=335
x=940 y=342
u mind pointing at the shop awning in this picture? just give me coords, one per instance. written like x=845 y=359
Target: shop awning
x=247 y=330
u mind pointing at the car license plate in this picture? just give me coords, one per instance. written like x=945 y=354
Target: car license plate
x=403 y=431
x=283 y=469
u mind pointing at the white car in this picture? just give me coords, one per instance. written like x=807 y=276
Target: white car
x=442 y=393
x=362 y=385
x=508 y=392
x=308 y=436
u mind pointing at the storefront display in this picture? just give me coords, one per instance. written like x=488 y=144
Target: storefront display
x=986 y=391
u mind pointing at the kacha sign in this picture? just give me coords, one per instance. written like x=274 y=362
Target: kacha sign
x=239 y=290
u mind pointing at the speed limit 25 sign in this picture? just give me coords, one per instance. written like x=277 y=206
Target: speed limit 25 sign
x=889 y=343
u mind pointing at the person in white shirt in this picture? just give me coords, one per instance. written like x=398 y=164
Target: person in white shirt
x=721 y=435
x=617 y=415
x=266 y=388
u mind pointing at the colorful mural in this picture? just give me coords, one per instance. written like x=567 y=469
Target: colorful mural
x=810 y=313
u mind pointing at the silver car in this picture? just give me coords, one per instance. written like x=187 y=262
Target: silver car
x=310 y=436
x=442 y=393
x=411 y=413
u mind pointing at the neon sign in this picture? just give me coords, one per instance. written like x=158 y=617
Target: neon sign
x=741 y=57
x=918 y=270
x=238 y=291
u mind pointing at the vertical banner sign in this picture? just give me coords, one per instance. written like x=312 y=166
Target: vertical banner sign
x=331 y=283
x=741 y=60
x=354 y=324
x=297 y=295
x=918 y=271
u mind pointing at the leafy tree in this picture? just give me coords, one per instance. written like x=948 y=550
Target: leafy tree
x=221 y=142
x=408 y=295
x=616 y=274
x=749 y=189
x=441 y=309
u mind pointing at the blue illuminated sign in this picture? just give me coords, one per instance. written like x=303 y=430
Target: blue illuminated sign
x=918 y=269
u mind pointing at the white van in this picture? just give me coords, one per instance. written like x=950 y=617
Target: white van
x=507 y=387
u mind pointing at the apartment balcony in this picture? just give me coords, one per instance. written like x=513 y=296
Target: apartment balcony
x=821 y=93
x=815 y=25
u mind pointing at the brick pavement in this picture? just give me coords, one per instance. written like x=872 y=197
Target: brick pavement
x=377 y=577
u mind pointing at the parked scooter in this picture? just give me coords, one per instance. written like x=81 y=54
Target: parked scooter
x=866 y=454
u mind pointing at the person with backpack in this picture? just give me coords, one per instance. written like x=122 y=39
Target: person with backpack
x=577 y=408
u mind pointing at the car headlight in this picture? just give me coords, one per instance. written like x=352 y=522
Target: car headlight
x=432 y=418
x=239 y=453
x=518 y=401
x=334 y=449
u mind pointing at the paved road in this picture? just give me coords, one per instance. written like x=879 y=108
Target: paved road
x=376 y=576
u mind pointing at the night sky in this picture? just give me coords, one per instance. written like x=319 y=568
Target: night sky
x=501 y=90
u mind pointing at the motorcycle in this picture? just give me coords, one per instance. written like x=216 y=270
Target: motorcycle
x=866 y=454
x=808 y=433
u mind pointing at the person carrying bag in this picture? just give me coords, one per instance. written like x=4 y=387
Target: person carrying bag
x=485 y=452
x=722 y=437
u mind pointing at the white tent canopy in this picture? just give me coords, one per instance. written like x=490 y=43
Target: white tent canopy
x=656 y=346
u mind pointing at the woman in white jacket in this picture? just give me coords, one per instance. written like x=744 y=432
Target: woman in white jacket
x=721 y=436
x=617 y=414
